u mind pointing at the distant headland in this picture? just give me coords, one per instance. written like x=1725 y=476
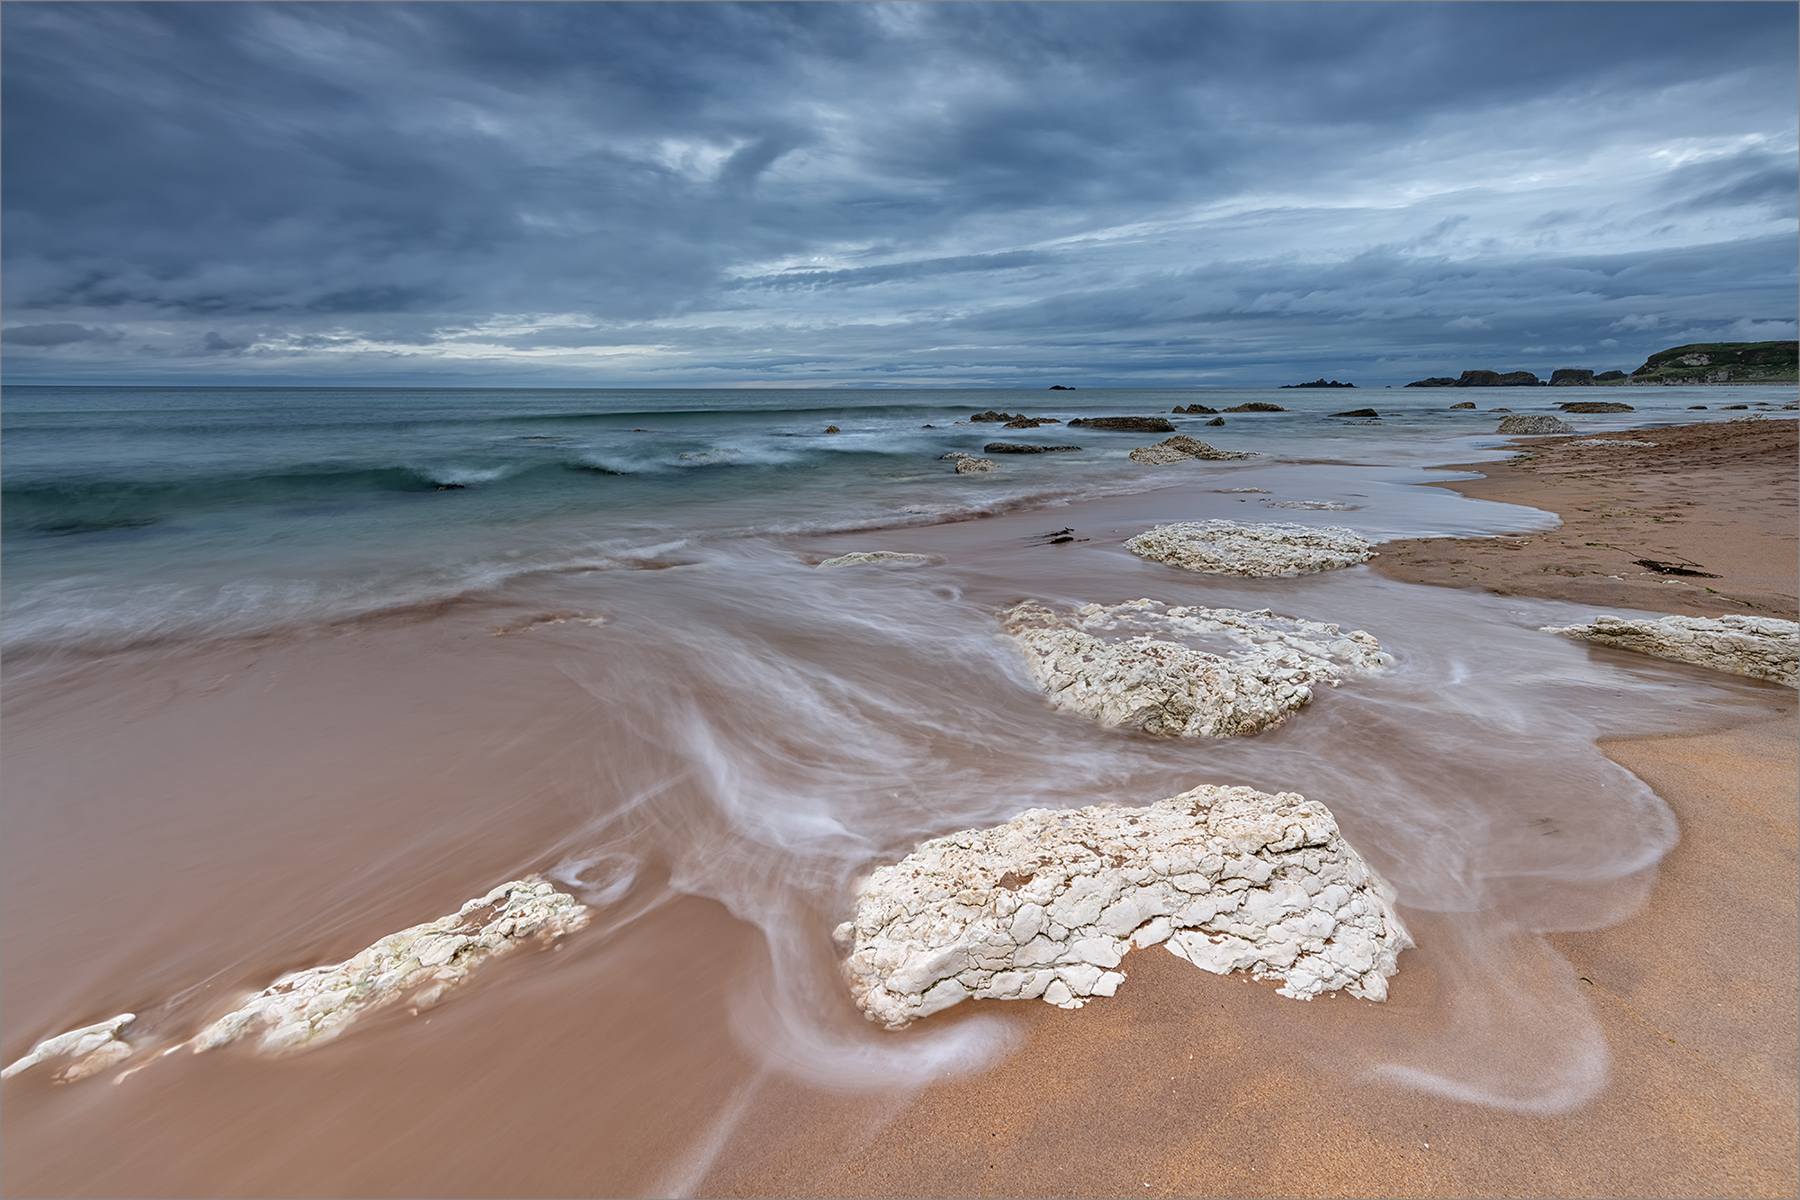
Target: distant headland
x=1698 y=364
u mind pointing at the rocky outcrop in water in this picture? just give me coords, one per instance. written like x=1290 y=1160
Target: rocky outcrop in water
x=1256 y=406
x=1182 y=448
x=1536 y=423
x=1128 y=424
x=1482 y=379
x=1022 y=448
x=1166 y=688
x=1260 y=549
x=1595 y=406
x=860 y=558
x=1320 y=382
x=1046 y=905
x=1571 y=377
x=1199 y=410
x=417 y=966
x=1760 y=647
x=968 y=464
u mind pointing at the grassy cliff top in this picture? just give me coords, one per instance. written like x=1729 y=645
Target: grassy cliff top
x=1721 y=362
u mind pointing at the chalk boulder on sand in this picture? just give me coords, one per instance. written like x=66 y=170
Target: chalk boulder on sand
x=88 y=1049
x=1541 y=423
x=1182 y=448
x=417 y=965
x=1263 y=549
x=1760 y=647
x=303 y=1008
x=1046 y=905
x=1167 y=689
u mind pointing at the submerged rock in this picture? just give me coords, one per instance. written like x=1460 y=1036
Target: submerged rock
x=1536 y=423
x=1464 y=404
x=1169 y=689
x=1182 y=448
x=858 y=558
x=1263 y=549
x=1046 y=905
x=1595 y=406
x=1022 y=448
x=1134 y=424
x=88 y=1049
x=1256 y=406
x=1760 y=647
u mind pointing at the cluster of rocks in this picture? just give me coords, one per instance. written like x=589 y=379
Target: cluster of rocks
x=860 y=558
x=1534 y=423
x=1046 y=905
x=1182 y=448
x=1022 y=448
x=968 y=464
x=1320 y=382
x=1198 y=410
x=1168 y=689
x=1127 y=424
x=1262 y=549
x=304 y=1008
x=1759 y=647
x=1482 y=379
x=1014 y=420
x=1575 y=377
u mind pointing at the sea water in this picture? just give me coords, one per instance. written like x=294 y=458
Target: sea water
x=273 y=694
x=132 y=513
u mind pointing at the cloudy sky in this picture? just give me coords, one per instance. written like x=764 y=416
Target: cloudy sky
x=850 y=194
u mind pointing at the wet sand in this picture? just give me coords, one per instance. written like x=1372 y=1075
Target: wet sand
x=1185 y=1084
x=184 y=826
x=1717 y=499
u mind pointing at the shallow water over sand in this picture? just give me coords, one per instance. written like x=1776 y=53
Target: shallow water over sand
x=712 y=765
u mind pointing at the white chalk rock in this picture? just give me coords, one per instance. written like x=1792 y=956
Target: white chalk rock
x=1269 y=548
x=1182 y=448
x=860 y=557
x=968 y=464
x=1169 y=689
x=1760 y=647
x=1046 y=905
x=417 y=965
x=88 y=1049
x=1537 y=423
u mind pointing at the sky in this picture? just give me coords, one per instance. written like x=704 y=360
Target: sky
x=888 y=194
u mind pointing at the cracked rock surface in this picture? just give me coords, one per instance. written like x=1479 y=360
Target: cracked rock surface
x=1168 y=689
x=1760 y=647
x=1263 y=549
x=1046 y=905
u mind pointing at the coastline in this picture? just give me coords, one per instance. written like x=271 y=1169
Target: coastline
x=625 y=1065
x=1717 y=498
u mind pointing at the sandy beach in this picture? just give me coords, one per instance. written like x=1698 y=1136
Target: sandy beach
x=1716 y=500
x=266 y=803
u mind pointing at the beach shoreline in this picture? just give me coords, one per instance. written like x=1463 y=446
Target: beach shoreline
x=630 y=1062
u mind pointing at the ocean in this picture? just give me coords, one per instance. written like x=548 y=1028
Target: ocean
x=291 y=669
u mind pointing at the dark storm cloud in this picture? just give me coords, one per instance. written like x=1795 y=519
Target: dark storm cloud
x=810 y=190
